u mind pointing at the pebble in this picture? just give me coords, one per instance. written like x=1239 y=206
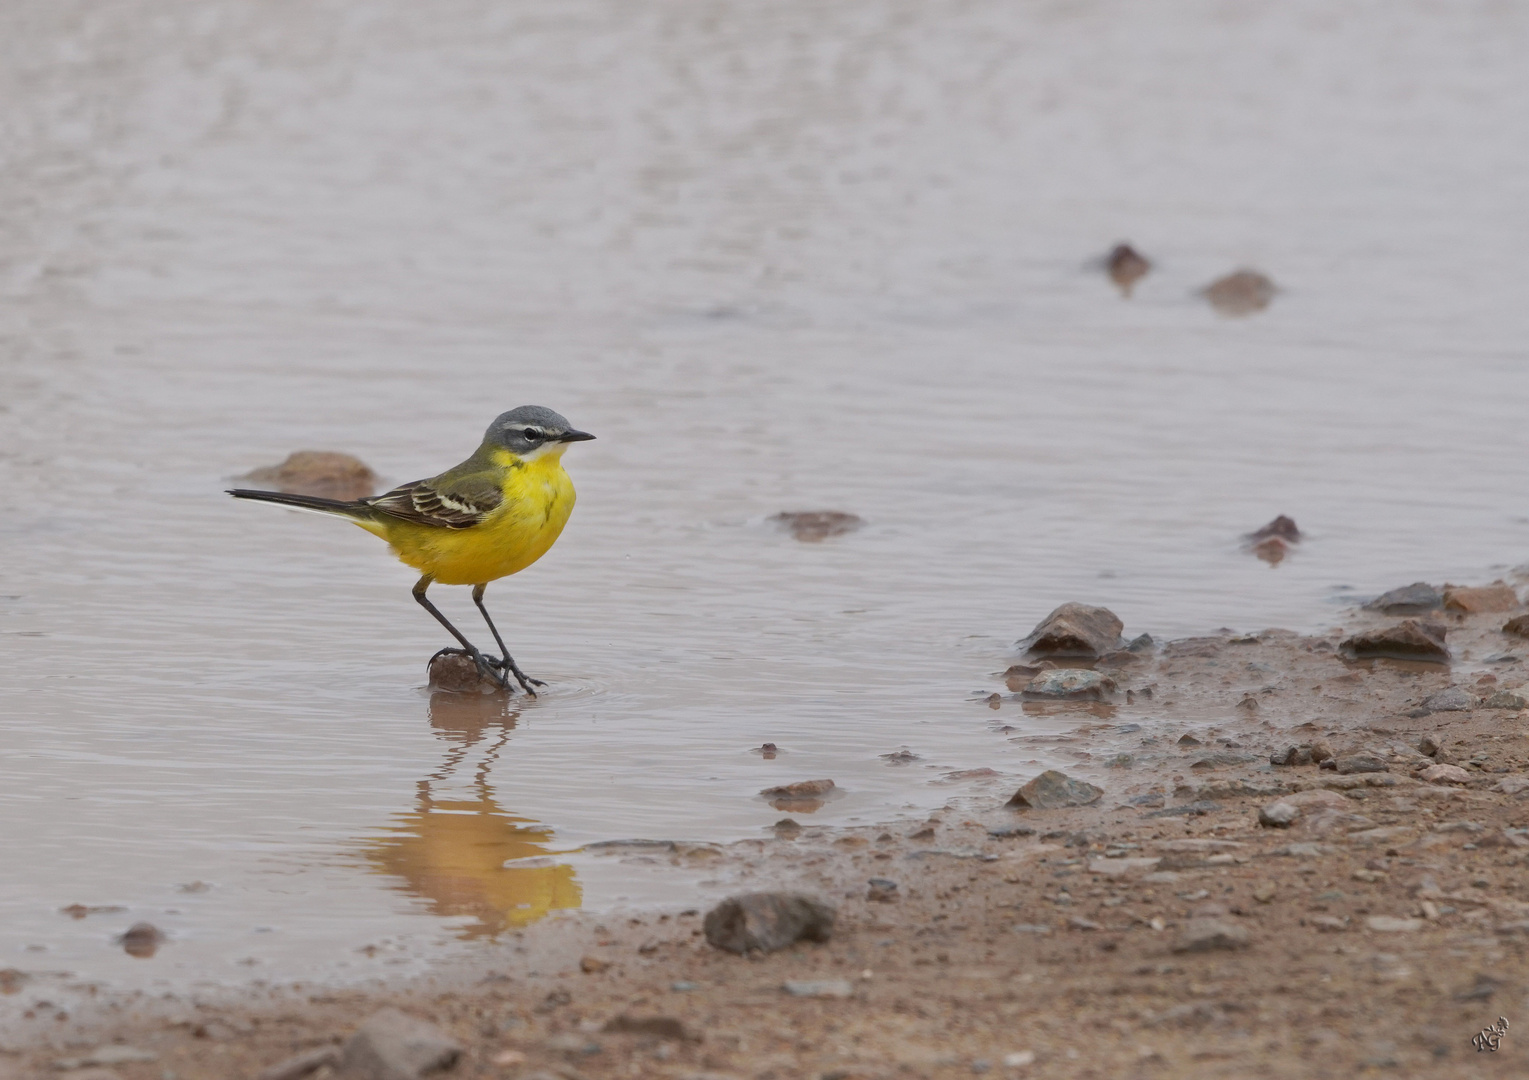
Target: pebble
x=109 y=1054
x=1419 y=598
x=1512 y=785
x=1019 y=1059
x=767 y=921
x=1126 y=266
x=392 y=1045
x=1486 y=599
x=1210 y=935
x=1264 y=892
x=592 y=965
x=1077 y=922
x=323 y=473
x=1444 y=774
x=1390 y=924
x=1121 y=867
x=1329 y=923
x=1075 y=684
x=814 y=526
x=1241 y=292
x=1450 y=699
x=802 y=797
x=1407 y=640
x=1218 y=759
x=819 y=988
x=659 y=1027
x=1006 y=832
x=300 y=1065
x=1430 y=745
x=1291 y=755
x=1075 y=630
x=881 y=890
x=1053 y=789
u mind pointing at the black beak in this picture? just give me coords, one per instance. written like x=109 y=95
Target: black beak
x=574 y=436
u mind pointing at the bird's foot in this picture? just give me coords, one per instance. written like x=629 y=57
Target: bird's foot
x=509 y=666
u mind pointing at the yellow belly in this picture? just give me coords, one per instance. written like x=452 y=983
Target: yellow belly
x=538 y=497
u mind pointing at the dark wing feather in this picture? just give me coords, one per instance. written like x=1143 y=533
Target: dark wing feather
x=445 y=501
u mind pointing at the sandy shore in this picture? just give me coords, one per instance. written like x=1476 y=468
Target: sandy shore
x=1161 y=931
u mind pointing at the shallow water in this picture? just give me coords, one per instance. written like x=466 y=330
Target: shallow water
x=777 y=257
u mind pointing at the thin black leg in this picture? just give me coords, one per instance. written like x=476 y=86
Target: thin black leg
x=509 y=662
x=484 y=667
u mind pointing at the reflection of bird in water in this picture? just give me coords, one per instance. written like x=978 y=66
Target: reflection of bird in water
x=451 y=851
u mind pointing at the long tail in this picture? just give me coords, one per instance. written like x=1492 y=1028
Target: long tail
x=358 y=510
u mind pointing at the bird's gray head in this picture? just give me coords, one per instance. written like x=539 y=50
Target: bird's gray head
x=531 y=430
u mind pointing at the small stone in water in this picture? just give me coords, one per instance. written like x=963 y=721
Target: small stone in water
x=323 y=473
x=142 y=940
x=812 y=526
x=1241 y=292
x=1075 y=630
x=1126 y=267
x=1074 y=684
x=1419 y=598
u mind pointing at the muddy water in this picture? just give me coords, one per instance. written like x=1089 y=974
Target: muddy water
x=778 y=257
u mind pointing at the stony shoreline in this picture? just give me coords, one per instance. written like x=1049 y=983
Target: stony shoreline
x=1212 y=914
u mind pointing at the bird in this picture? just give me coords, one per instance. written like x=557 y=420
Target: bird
x=491 y=516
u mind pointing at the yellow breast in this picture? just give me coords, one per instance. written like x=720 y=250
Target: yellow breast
x=538 y=497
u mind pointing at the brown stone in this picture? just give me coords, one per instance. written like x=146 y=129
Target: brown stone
x=802 y=797
x=812 y=526
x=1518 y=626
x=1409 y=639
x=657 y=1027
x=458 y=674
x=1281 y=528
x=767 y=921
x=323 y=473
x=1241 y=292
x=142 y=940
x=1053 y=789
x=1075 y=630
x=1487 y=599
x=1126 y=266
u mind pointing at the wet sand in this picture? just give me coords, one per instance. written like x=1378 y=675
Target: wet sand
x=1380 y=933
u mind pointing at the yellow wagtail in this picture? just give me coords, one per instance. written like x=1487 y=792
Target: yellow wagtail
x=493 y=515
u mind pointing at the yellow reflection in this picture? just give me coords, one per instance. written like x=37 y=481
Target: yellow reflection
x=450 y=850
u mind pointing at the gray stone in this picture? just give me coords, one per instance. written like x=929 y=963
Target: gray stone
x=1506 y=699
x=767 y=921
x=819 y=988
x=1053 y=789
x=1210 y=935
x=1075 y=630
x=1005 y=832
x=1198 y=808
x=1419 y=598
x=1218 y=759
x=1361 y=763
x=300 y=1065
x=1450 y=699
x=1076 y=684
x=1278 y=815
x=1430 y=744
x=392 y=1045
x=1407 y=640
x=881 y=890
x=1141 y=643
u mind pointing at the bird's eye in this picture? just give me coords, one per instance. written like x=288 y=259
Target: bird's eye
x=532 y=434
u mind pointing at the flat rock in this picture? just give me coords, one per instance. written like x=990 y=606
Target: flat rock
x=324 y=473
x=1210 y=935
x=1241 y=292
x=300 y=1065
x=1075 y=684
x=1450 y=699
x=1052 y=789
x=1075 y=630
x=1505 y=699
x=1219 y=759
x=392 y=1045
x=1361 y=763
x=767 y=921
x=1512 y=785
x=1419 y=598
x=803 y=797
x=1494 y=598
x=813 y=526
x=659 y=1027
x=1390 y=924
x=1444 y=774
x=1121 y=867
x=1407 y=640
x=108 y=1054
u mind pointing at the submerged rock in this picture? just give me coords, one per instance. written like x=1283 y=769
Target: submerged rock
x=392 y=1045
x=1281 y=528
x=804 y=796
x=1126 y=266
x=1241 y=292
x=1075 y=630
x=1486 y=599
x=1053 y=789
x=142 y=940
x=323 y=473
x=767 y=921
x=812 y=526
x=457 y=674
x=1074 y=684
x=1407 y=640
x=1419 y=598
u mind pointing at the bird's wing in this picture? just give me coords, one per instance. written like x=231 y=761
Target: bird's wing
x=447 y=501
